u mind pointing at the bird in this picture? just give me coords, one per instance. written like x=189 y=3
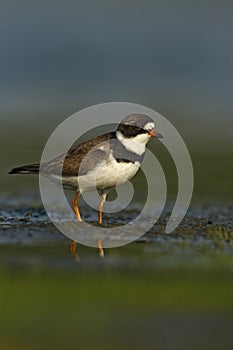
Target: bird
x=99 y=163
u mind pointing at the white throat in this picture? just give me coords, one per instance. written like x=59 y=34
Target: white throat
x=136 y=144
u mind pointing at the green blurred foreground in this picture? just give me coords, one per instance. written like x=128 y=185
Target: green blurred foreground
x=137 y=297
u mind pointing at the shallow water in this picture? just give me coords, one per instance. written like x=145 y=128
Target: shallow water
x=179 y=284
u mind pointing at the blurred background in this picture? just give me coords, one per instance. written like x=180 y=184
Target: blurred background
x=57 y=57
x=173 y=56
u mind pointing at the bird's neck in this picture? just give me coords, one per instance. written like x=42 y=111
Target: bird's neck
x=134 y=145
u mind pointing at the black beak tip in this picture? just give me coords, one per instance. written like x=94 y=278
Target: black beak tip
x=159 y=136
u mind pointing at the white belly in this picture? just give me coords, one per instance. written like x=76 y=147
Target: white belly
x=108 y=175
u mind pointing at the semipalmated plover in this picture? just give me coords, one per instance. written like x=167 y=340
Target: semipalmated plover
x=100 y=163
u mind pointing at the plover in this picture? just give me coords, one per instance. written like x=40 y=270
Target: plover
x=100 y=163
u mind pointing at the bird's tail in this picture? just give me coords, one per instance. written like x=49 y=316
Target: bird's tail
x=26 y=169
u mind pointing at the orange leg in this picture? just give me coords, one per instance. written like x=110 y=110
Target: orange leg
x=100 y=212
x=73 y=246
x=75 y=206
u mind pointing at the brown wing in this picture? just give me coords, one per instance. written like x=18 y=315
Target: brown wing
x=75 y=156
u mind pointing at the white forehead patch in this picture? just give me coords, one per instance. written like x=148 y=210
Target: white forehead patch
x=149 y=126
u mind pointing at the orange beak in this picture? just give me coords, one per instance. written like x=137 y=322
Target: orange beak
x=154 y=133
